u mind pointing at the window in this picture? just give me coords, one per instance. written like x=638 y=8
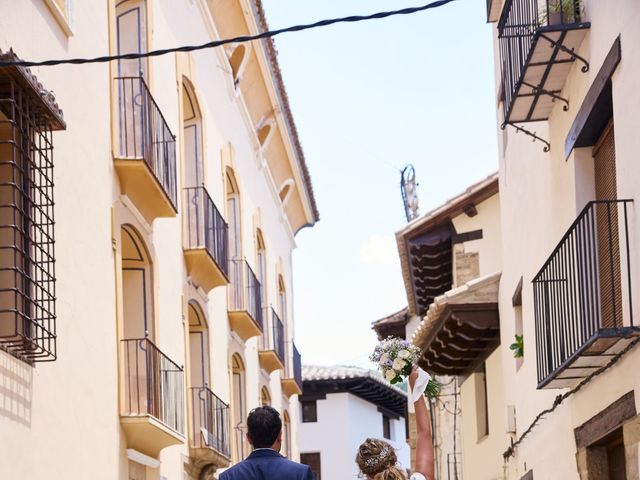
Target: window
x=286 y=435
x=265 y=397
x=309 y=411
x=241 y=449
x=131 y=34
x=386 y=427
x=62 y=11
x=198 y=346
x=27 y=277
x=192 y=125
x=313 y=460
x=482 y=406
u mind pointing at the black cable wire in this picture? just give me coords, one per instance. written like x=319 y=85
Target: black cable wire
x=509 y=452
x=218 y=43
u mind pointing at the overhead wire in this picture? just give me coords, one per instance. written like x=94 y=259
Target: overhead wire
x=218 y=43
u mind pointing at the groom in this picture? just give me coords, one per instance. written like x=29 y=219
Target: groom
x=265 y=463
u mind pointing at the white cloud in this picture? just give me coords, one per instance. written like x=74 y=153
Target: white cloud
x=379 y=250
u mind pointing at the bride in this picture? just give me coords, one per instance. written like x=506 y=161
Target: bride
x=377 y=459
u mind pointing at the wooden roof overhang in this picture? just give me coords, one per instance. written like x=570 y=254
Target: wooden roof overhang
x=393 y=325
x=425 y=246
x=461 y=328
x=545 y=72
x=466 y=334
x=366 y=388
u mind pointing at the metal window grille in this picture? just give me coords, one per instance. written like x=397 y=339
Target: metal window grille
x=28 y=116
x=245 y=290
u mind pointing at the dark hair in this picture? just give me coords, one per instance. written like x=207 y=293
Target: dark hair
x=264 y=425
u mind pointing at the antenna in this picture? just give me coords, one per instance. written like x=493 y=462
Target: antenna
x=409 y=192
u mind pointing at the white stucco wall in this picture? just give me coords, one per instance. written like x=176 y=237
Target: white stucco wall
x=344 y=422
x=71 y=405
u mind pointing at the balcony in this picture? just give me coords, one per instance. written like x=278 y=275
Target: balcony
x=209 y=440
x=272 y=352
x=245 y=300
x=152 y=405
x=145 y=151
x=538 y=44
x=582 y=297
x=292 y=378
x=206 y=240
x=493 y=10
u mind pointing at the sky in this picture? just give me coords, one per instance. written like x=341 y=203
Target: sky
x=369 y=98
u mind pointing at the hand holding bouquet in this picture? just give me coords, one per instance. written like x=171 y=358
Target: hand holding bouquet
x=396 y=358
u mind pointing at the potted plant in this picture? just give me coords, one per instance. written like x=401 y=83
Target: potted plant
x=559 y=12
x=518 y=346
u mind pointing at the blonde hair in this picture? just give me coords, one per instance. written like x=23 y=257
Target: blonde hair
x=378 y=460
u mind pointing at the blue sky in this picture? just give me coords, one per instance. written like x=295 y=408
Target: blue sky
x=369 y=98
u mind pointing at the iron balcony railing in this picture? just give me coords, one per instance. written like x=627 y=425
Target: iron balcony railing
x=245 y=290
x=205 y=226
x=153 y=384
x=272 y=337
x=293 y=366
x=584 y=288
x=519 y=23
x=211 y=422
x=143 y=133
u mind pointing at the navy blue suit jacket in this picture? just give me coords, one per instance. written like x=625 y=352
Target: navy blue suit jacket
x=267 y=464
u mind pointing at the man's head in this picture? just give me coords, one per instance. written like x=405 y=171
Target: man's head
x=264 y=428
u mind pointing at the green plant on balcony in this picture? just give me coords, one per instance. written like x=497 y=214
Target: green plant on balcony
x=559 y=12
x=518 y=346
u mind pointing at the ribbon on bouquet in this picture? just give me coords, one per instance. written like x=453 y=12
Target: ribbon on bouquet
x=420 y=386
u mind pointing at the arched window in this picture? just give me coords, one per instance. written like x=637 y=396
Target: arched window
x=286 y=434
x=237 y=60
x=131 y=36
x=193 y=154
x=282 y=300
x=239 y=408
x=285 y=190
x=233 y=216
x=265 y=397
x=261 y=257
x=137 y=288
x=198 y=346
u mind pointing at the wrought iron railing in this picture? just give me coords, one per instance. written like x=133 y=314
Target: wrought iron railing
x=153 y=384
x=211 y=421
x=205 y=226
x=293 y=366
x=520 y=21
x=585 y=285
x=272 y=337
x=143 y=133
x=245 y=291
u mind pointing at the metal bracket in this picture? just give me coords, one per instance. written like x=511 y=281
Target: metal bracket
x=547 y=146
x=555 y=96
x=568 y=51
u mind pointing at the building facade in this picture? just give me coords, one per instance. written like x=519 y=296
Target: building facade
x=148 y=212
x=451 y=264
x=340 y=408
x=566 y=77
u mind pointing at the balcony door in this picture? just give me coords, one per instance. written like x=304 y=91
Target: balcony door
x=235 y=250
x=239 y=408
x=610 y=281
x=131 y=35
x=136 y=286
x=193 y=168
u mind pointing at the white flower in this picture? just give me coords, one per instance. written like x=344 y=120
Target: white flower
x=404 y=354
x=399 y=364
x=384 y=358
x=390 y=375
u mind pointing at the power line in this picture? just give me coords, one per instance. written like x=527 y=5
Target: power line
x=218 y=43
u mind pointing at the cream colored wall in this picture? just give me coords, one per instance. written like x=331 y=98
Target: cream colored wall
x=478 y=453
x=541 y=195
x=490 y=245
x=71 y=405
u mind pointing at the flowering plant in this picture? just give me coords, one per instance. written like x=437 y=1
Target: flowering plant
x=396 y=357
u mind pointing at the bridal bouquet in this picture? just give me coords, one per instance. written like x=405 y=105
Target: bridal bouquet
x=396 y=357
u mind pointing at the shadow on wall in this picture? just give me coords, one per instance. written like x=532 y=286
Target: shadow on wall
x=16 y=389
